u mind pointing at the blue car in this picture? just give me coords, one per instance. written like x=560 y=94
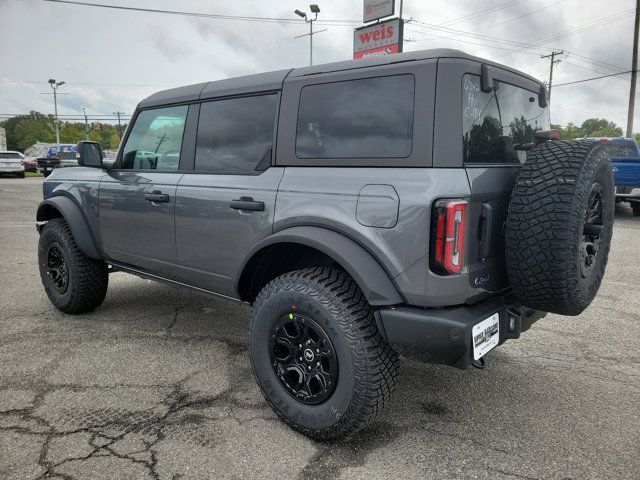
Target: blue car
x=625 y=162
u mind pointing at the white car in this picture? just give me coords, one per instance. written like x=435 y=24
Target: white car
x=11 y=162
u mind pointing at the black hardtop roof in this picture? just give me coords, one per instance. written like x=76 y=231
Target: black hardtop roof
x=270 y=81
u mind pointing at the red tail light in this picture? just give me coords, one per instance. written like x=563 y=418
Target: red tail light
x=447 y=236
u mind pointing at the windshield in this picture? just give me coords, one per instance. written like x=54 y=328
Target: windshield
x=619 y=149
x=494 y=122
x=10 y=155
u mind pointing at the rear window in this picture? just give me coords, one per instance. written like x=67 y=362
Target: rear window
x=619 y=149
x=9 y=155
x=365 y=118
x=498 y=123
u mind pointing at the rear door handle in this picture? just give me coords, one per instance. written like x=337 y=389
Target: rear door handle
x=247 y=203
x=156 y=196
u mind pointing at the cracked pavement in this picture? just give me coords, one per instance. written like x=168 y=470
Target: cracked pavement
x=156 y=383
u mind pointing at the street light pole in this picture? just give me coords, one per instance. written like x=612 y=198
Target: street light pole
x=86 y=124
x=314 y=9
x=54 y=86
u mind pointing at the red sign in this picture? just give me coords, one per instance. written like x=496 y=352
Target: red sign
x=383 y=38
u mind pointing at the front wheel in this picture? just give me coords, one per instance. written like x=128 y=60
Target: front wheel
x=73 y=282
x=317 y=354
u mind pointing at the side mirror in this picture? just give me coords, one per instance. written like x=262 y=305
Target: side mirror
x=89 y=154
x=486 y=78
x=543 y=97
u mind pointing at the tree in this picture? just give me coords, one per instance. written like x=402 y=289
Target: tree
x=600 y=127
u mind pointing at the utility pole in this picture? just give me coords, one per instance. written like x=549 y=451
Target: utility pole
x=54 y=86
x=119 y=124
x=314 y=9
x=634 y=73
x=86 y=124
x=552 y=56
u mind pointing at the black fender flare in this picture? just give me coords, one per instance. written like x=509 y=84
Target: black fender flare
x=76 y=221
x=373 y=280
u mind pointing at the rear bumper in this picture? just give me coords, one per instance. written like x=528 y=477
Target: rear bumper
x=443 y=336
x=12 y=169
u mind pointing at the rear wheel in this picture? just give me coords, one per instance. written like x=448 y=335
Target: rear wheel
x=559 y=226
x=317 y=354
x=636 y=209
x=46 y=173
x=73 y=282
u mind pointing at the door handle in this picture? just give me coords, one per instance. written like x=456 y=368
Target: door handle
x=156 y=196
x=247 y=203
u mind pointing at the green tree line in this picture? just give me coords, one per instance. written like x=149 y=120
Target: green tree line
x=25 y=130
x=591 y=127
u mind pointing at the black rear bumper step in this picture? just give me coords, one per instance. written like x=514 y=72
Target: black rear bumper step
x=443 y=336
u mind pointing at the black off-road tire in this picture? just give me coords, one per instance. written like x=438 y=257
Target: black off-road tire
x=545 y=229
x=88 y=278
x=46 y=174
x=367 y=364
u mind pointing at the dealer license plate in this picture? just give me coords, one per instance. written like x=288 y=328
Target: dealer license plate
x=485 y=336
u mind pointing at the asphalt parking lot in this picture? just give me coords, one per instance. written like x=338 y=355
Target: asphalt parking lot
x=156 y=383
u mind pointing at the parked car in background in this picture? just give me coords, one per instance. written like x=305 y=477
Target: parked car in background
x=56 y=156
x=30 y=164
x=11 y=163
x=625 y=163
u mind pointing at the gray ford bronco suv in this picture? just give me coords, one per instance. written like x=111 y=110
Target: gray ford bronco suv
x=413 y=204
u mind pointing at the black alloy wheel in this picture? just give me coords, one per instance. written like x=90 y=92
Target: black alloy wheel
x=57 y=268
x=592 y=230
x=303 y=358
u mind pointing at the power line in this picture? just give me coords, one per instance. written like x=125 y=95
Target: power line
x=481 y=13
x=243 y=18
x=592 y=78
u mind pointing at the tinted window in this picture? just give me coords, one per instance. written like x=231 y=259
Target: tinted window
x=155 y=140
x=619 y=149
x=372 y=118
x=235 y=136
x=9 y=155
x=496 y=124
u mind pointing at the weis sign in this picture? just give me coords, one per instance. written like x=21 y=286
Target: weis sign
x=383 y=38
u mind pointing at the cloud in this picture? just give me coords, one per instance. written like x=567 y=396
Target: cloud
x=82 y=45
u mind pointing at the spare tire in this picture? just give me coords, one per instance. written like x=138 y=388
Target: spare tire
x=559 y=226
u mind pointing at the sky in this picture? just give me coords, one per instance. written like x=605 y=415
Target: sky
x=111 y=59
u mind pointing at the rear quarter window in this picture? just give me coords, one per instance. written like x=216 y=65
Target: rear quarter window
x=364 y=118
x=496 y=124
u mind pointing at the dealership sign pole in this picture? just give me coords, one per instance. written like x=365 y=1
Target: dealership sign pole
x=380 y=38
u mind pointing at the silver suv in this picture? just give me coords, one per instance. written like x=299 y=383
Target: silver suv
x=412 y=204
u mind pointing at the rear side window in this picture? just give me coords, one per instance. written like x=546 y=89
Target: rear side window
x=366 y=118
x=495 y=125
x=155 y=140
x=619 y=149
x=235 y=136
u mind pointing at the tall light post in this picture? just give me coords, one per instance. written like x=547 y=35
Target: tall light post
x=54 y=85
x=314 y=9
x=86 y=123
